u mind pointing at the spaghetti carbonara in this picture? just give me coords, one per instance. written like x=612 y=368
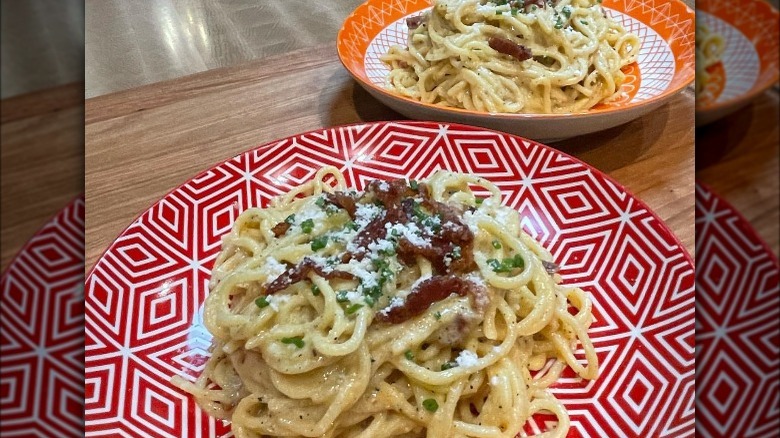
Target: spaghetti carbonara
x=410 y=309
x=516 y=56
x=709 y=49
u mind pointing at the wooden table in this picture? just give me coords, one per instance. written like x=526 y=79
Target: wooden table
x=141 y=143
x=738 y=157
x=42 y=161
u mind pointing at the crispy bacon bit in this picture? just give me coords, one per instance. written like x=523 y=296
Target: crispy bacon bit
x=300 y=272
x=415 y=22
x=530 y=3
x=280 y=228
x=342 y=200
x=550 y=267
x=507 y=47
x=429 y=291
x=390 y=193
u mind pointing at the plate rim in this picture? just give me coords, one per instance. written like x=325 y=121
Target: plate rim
x=46 y=223
x=748 y=225
x=665 y=95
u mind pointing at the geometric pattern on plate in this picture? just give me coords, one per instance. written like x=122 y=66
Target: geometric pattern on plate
x=737 y=333
x=144 y=296
x=42 y=366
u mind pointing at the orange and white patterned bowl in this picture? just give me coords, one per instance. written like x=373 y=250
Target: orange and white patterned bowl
x=666 y=65
x=751 y=60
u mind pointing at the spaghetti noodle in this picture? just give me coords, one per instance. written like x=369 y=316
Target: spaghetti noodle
x=410 y=309
x=518 y=56
x=709 y=49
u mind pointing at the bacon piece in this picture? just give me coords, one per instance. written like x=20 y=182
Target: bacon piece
x=342 y=200
x=550 y=267
x=415 y=22
x=390 y=193
x=300 y=272
x=280 y=228
x=454 y=233
x=507 y=47
x=426 y=293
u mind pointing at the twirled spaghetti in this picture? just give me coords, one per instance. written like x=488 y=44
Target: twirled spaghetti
x=410 y=309
x=709 y=49
x=516 y=56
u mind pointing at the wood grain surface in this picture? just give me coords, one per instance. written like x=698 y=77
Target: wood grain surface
x=42 y=161
x=738 y=157
x=144 y=142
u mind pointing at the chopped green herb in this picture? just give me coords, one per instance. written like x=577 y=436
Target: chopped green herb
x=380 y=263
x=413 y=184
x=315 y=290
x=320 y=202
x=353 y=308
x=388 y=252
x=297 y=341
x=584 y=22
x=331 y=209
x=418 y=212
x=456 y=253
x=373 y=292
x=479 y=200
x=409 y=355
x=566 y=11
x=290 y=219
x=498 y=12
x=352 y=226
x=430 y=405
x=496 y=244
x=559 y=23
x=437 y=315
x=307 y=226
x=262 y=302
x=341 y=296
x=506 y=265
x=447 y=365
x=319 y=242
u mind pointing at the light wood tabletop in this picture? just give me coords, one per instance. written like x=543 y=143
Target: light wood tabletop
x=738 y=157
x=42 y=161
x=142 y=143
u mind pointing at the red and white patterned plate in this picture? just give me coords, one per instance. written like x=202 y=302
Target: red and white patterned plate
x=737 y=331
x=144 y=296
x=42 y=367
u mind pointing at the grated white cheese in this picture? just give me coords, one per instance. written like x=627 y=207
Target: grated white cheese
x=495 y=380
x=311 y=211
x=394 y=302
x=354 y=297
x=383 y=186
x=321 y=261
x=274 y=301
x=365 y=213
x=410 y=232
x=362 y=270
x=379 y=246
x=466 y=358
x=272 y=268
